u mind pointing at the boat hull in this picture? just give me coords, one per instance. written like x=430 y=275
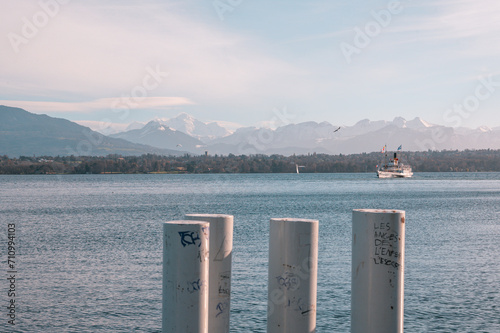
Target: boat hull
x=394 y=174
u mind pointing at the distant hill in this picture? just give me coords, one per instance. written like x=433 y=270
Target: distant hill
x=25 y=134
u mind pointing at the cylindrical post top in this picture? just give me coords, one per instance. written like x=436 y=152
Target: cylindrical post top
x=287 y=219
x=183 y=222
x=208 y=215
x=380 y=211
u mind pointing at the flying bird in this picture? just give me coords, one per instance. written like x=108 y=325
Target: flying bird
x=336 y=130
x=179 y=145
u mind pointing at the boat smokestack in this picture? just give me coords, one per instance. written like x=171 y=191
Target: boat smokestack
x=395 y=155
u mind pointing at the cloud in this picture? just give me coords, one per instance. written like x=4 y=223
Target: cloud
x=95 y=50
x=441 y=21
x=99 y=104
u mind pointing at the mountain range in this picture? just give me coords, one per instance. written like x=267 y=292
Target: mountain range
x=25 y=133
x=308 y=137
x=159 y=135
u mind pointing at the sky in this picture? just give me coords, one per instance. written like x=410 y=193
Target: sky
x=253 y=62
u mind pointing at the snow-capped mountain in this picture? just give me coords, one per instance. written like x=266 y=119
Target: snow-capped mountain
x=418 y=123
x=364 y=126
x=307 y=137
x=134 y=125
x=28 y=134
x=157 y=134
x=364 y=136
x=182 y=132
x=195 y=128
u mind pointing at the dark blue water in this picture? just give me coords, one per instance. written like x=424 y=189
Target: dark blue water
x=88 y=247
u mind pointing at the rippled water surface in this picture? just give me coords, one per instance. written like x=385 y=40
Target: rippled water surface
x=89 y=246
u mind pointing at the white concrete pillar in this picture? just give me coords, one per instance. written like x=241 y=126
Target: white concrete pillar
x=185 y=276
x=293 y=275
x=377 y=275
x=221 y=249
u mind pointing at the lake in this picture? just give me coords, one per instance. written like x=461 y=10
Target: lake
x=89 y=250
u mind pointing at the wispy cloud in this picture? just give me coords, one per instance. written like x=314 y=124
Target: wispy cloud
x=97 y=49
x=446 y=20
x=97 y=105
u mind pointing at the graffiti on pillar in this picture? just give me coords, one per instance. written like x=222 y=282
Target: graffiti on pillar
x=225 y=284
x=222 y=308
x=386 y=245
x=288 y=281
x=300 y=305
x=196 y=285
x=190 y=238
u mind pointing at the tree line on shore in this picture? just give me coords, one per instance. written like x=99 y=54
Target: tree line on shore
x=428 y=161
